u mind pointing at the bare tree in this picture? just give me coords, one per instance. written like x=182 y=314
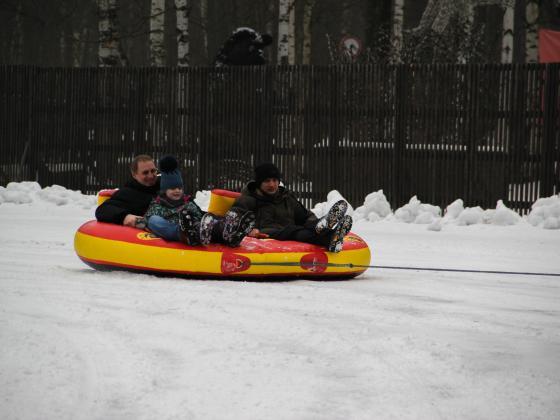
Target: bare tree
x=157 y=33
x=110 y=51
x=439 y=14
x=307 y=15
x=183 y=41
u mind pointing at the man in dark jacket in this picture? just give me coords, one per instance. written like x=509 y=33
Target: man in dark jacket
x=128 y=204
x=279 y=214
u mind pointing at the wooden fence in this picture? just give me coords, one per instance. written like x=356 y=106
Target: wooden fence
x=441 y=132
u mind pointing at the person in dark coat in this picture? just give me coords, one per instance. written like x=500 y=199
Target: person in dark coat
x=129 y=203
x=281 y=216
x=244 y=47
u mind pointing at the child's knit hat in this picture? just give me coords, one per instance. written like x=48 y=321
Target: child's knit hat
x=170 y=174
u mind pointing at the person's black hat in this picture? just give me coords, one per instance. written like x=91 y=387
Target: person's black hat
x=265 y=171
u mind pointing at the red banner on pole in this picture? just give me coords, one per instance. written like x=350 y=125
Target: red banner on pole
x=549 y=46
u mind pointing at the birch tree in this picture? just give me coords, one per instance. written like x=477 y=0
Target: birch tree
x=507 y=34
x=183 y=39
x=397 y=31
x=531 y=37
x=109 y=51
x=307 y=15
x=157 y=33
x=283 y=31
x=292 y=32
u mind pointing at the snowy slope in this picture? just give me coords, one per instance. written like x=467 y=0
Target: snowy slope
x=391 y=344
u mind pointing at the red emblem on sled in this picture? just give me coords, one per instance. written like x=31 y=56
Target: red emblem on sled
x=316 y=262
x=234 y=263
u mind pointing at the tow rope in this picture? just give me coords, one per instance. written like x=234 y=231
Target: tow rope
x=388 y=267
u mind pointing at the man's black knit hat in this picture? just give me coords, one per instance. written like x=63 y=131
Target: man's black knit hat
x=265 y=171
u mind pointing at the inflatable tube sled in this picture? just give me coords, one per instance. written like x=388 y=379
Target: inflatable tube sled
x=105 y=246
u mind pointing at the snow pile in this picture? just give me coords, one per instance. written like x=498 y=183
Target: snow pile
x=18 y=192
x=457 y=213
x=545 y=213
x=375 y=207
x=501 y=216
x=453 y=210
x=29 y=192
x=417 y=212
x=321 y=209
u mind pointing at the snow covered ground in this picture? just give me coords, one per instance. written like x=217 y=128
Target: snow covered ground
x=391 y=344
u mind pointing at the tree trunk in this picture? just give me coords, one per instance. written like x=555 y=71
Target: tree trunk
x=346 y=21
x=283 y=31
x=109 y=52
x=16 y=47
x=468 y=22
x=507 y=34
x=62 y=41
x=307 y=14
x=532 y=35
x=204 y=27
x=397 y=32
x=157 y=33
x=270 y=16
x=430 y=14
x=183 y=39
x=79 y=50
x=292 y=33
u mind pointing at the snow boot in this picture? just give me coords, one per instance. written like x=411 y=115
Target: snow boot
x=337 y=237
x=207 y=224
x=333 y=217
x=237 y=226
x=189 y=230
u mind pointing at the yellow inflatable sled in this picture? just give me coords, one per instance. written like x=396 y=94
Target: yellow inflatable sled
x=105 y=246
